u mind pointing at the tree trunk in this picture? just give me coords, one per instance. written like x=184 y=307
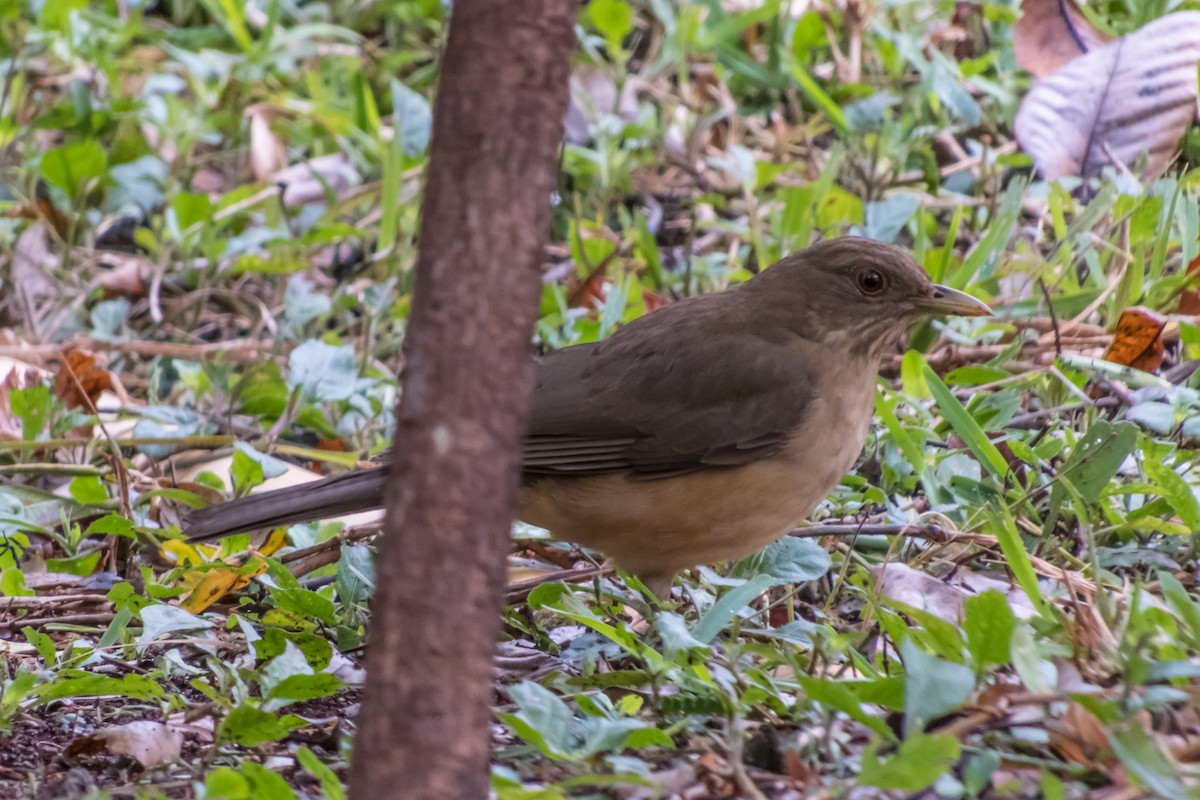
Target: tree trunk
x=424 y=725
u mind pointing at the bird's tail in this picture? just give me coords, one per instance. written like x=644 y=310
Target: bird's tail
x=332 y=497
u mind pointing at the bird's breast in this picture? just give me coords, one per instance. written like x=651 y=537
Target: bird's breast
x=663 y=526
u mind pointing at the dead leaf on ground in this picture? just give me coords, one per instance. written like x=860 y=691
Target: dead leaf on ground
x=306 y=182
x=82 y=378
x=1129 y=99
x=1052 y=32
x=217 y=582
x=268 y=155
x=944 y=597
x=1137 y=341
x=149 y=743
x=30 y=273
x=1189 y=299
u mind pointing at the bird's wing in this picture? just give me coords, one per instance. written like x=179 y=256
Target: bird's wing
x=675 y=395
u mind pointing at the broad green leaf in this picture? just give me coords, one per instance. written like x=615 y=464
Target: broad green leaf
x=1096 y=458
x=788 y=560
x=71 y=167
x=250 y=726
x=322 y=371
x=988 y=623
x=932 y=686
x=920 y=761
x=729 y=605
x=88 y=490
x=355 y=574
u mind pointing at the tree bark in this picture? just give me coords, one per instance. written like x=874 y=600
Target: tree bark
x=424 y=726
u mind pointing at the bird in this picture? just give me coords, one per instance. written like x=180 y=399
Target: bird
x=698 y=433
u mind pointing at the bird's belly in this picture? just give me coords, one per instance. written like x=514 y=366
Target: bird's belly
x=662 y=526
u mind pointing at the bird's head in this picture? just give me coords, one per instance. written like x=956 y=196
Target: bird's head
x=859 y=293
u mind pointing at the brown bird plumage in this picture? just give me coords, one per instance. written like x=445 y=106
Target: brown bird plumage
x=700 y=432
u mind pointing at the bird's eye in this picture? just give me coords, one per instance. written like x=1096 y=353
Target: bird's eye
x=870 y=281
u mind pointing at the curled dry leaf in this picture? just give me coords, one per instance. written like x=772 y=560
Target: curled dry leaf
x=1137 y=341
x=267 y=152
x=1128 y=100
x=148 y=743
x=82 y=378
x=1052 y=32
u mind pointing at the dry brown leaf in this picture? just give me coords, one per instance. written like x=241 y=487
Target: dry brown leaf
x=1131 y=98
x=82 y=378
x=1189 y=299
x=1052 y=32
x=1137 y=341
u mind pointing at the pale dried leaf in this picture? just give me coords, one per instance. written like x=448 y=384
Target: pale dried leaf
x=305 y=182
x=31 y=267
x=1132 y=98
x=149 y=743
x=903 y=584
x=1052 y=32
x=267 y=152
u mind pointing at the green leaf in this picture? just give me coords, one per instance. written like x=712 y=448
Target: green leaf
x=76 y=683
x=245 y=472
x=543 y=720
x=322 y=371
x=1145 y=760
x=1016 y=555
x=87 y=490
x=920 y=761
x=250 y=726
x=44 y=645
x=12 y=583
x=160 y=619
x=32 y=406
x=298 y=688
x=988 y=623
x=965 y=426
x=113 y=525
x=316 y=649
x=412 y=120
x=331 y=785
x=304 y=603
x=355 y=574
x=788 y=560
x=613 y=19
x=729 y=605
x=932 y=686
x=267 y=785
x=72 y=166
x=1177 y=492
x=839 y=697
x=188 y=209
x=1096 y=458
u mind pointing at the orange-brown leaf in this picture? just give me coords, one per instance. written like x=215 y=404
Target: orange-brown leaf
x=81 y=379
x=1137 y=341
x=1189 y=299
x=1052 y=32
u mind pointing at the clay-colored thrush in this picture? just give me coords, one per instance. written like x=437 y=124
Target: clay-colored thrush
x=698 y=433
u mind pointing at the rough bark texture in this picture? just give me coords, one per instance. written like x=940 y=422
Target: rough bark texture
x=424 y=726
